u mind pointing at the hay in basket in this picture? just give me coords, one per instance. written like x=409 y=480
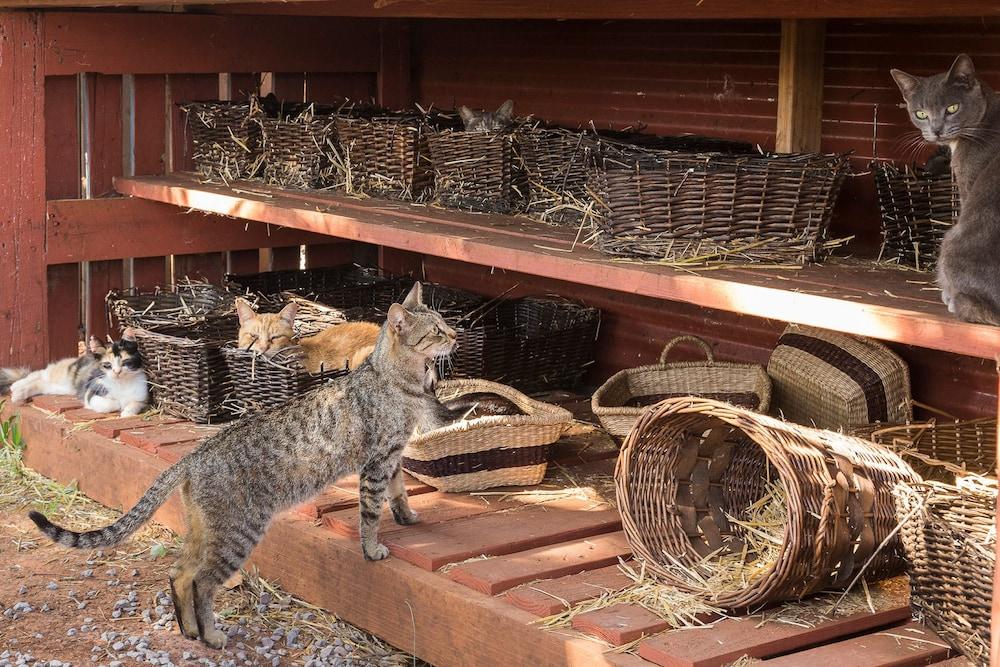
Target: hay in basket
x=488 y=451
x=627 y=393
x=748 y=510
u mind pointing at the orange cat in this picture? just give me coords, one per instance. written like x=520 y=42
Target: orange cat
x=347 y=344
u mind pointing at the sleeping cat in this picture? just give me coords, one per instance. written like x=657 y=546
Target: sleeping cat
x=105 y=379
x=958 y=110
x=488 y=121
x=340 y=345
x=242 y=476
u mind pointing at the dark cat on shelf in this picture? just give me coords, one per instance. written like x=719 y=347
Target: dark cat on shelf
x=488 y=121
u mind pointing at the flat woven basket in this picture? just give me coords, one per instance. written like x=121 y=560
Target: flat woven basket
x=495 y=450
x=225 y=138
x=670 y=205
x=690 y=466
x=744 y=385
x=836 y=381
x=949 y=534
x=917 y=208
x=259 y=382
x=477 y=171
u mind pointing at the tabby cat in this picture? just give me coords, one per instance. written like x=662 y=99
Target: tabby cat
x=239 y=478
x=488 y=121
x=957 y=110
x=340 y=345
x=106 y=379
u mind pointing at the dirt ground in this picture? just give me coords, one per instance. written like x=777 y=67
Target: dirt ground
x=61 y=606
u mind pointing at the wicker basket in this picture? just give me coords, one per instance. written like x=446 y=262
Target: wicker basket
x=259 y=382
x=835 y=381
x=941 y=450
x=345 y=286
x=496 y=450
x=298 y=151
x=225 y=137
x=172 y=308
x=477 y=171
x=917 y=208
x=187 y=370
x=692 y=467
x=949 y=534
x=744 y=385
x=668 y=205
x=558 y=163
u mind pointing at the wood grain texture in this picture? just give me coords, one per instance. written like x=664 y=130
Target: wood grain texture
x=64 y=324
x=395 y=85
x=905 y=646
x=620 y=624
x=544 y=598
x=800 y=86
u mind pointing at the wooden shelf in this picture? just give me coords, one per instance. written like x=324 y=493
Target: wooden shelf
x=852 y=296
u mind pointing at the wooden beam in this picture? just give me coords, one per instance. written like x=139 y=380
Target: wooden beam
x=99 y=229
x=394 y=74
x=23 y=309
x=148 y=43
x=800 y=86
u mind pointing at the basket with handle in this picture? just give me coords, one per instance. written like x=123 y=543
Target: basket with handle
x=628 y=393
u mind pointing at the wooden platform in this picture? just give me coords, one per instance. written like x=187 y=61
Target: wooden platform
x=467 y=584
x=845 y=295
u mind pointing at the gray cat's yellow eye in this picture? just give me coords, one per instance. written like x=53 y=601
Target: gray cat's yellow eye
x=922 y=115
x=952 y=109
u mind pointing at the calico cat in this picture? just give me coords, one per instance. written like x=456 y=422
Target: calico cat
x=488 y=121
x=236 y=481
x=958 y=110
x=340 y=345
x=106 y=379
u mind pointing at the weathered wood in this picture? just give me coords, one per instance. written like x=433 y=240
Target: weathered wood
x=905 y=646
x=860 y=298
x=800 y=86
x=544 y=598
x=205 y=267
x=283 y=259
x=104 y=277
x=111 y=428
x=150 y=124
x=329 y=254
x=23 y=309
x=62 y=138
x=394 y=72
x=64 y=327
x=620 y=624
x=431 y=507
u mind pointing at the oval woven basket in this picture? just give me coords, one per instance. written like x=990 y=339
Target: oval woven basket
x=745 y=385
x=495 y=450
x=692 y=469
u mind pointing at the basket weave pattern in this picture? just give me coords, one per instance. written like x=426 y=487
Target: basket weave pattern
x=940 y=450
x=226 y=141
x=259 y=382
x=297 y=151
x=558 y=164
x=689 y=462
x=476 y=171
x=387 y=156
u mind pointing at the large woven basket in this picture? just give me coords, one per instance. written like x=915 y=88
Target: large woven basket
x=917 y=208
x=836 y=381
x=299 y=151
x=225 y=138
x=949 y=534
x=260 y=382
x=496 y=450
x=690 y=466
x=168 y=308
x=668 y=205
x=477 y=171
x=941 y=450
x=345 y=286
x=744 y=385
x=558 y=163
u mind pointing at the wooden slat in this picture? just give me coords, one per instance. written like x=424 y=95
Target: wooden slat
x=907 y=646
x=800 y=86
x=150 y=124
x=62 y=138
x=544 y=598
x=882 y=303
x=23 y=296
x=502 y=573
x=344 y=494
x=104 y=277
x=285 y=258
x=65 y=329
x=244 y=261
x=148 y=272
x=620 y=624
x=112 y=428
x=114 y=228
x=328 y=254
x=431 y=507
x=186 y=88
x=205 y=267
x=147 y=43
x=105 y=99
x=395 y=87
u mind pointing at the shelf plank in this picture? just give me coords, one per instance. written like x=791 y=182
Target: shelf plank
x=852 y=296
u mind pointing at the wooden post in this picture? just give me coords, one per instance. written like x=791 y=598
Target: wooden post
x=394 y=89
x=800 y=86
x=995 y=615
x=23 y=309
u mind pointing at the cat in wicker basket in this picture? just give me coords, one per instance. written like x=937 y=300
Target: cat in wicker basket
x=958 y=110
x=488 y=121
x=338 y=346
x=106 y=377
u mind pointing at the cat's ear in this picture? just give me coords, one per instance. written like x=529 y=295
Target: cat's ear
x=129 y=334
x=245 y=311
x=288 y=313
x=506 y=110
x=907 y=82
x=467 y=114
x=962 y=71
x=415 y=297
x=397 y=318
x=95 y=346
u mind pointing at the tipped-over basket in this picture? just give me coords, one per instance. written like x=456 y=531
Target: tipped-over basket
x=628 y=393
x=693 y=472
x=495 y=450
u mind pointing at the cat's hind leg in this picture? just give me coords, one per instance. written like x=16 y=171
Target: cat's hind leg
x=374 y=480
x=225 y=553
x=399 y=503
x=973 y=309
x=32 y=384
x=183 y=572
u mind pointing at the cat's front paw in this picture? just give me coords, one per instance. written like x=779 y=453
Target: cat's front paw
x=405 y=517
x=378 y=552
x=18 y=392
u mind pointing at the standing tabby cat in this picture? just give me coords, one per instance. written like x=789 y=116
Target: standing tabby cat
x=239 y=478
x=488 y=121
x=958 y=110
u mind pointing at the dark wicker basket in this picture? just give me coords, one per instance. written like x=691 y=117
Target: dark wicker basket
x=345 y=286
x=226 y=140
x=670 y=206
x=259 y=382
x=941 y=449
x=917 y=208
x=558 y=163
x=477 y=171
x=298 y=152
x=171 y=308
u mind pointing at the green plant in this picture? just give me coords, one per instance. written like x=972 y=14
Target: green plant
x=10 y=432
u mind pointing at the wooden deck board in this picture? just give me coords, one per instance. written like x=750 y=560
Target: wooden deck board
x=906 y=646
x=432 y=507
x=852 y=296
x=544 y=598
x=620 y=624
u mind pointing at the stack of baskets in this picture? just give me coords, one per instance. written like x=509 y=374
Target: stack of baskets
x=226 y=138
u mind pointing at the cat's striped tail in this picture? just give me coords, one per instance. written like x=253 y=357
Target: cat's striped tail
x=130 y=522
x=9 y=376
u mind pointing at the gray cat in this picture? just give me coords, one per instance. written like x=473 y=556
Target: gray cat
x=957 y=110
x=488 y=121
x=241 y=477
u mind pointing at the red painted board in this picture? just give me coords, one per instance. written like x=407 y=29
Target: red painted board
x=187 y=88
x=57 y=404
x=151 y=438
x=431 y=508
x=551 y=596
x=286 y=258
x=344 y=494
x=620 y=624
x=906 y=646
x=62 y=138
x=244 y=261
x=81 y=415
x=329 y=254
x=150 y=124
x=105 y=98
x=64 y=324
x=175 y=452
x=149 y=272
x=111 y=428
x=105 y=276
x=202 y=267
